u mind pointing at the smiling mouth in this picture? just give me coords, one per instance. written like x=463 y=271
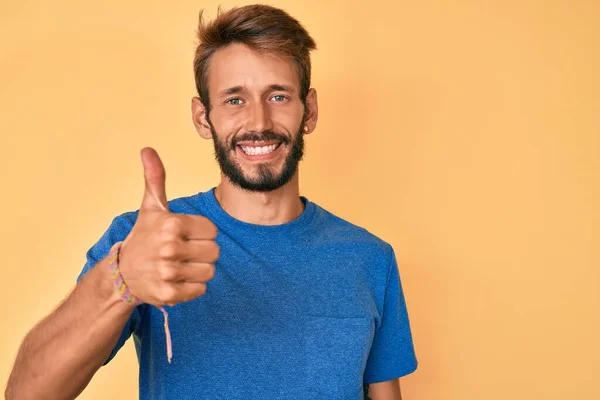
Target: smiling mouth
x=259 y=149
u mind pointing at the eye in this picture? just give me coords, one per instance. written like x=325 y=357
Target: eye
x=235 y=101
x=278 y=98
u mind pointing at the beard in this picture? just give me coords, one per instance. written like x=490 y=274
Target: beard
x=267 y=179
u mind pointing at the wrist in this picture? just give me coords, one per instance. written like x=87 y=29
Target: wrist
x=119 y=286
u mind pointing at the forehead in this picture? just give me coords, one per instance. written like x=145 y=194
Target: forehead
x=238 y=65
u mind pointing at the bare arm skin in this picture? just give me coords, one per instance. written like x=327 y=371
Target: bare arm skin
x=388 y=390
x=59 y=356
x=166 y=259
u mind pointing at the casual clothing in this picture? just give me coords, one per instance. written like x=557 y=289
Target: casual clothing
x=309 y=309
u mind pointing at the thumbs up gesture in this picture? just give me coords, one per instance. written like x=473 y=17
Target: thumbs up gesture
x=167 y=258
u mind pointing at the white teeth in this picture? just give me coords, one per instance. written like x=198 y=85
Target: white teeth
x=253 y=151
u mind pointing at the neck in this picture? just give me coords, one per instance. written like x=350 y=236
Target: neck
x=269 y=208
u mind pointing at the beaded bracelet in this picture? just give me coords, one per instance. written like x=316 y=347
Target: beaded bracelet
x=127 y=296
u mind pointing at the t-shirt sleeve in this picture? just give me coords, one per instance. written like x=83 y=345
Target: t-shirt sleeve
x=392 y=353
x=116 y=232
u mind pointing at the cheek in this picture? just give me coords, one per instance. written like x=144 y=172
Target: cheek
x=226 y=124
x=283 y=118
x=289 y=118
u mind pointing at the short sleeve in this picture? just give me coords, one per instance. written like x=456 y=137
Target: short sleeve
x=116 y=232
x=392 y=353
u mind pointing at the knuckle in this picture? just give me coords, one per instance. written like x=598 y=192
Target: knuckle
x=211 y=272
x=167 y=273
x=212 y=230
x=214 y=252
x=168 y=250
x=201 y=289
x=172 y=224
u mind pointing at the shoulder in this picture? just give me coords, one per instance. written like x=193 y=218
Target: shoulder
x=338 y=229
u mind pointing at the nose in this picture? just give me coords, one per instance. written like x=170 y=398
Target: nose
x=259 y=118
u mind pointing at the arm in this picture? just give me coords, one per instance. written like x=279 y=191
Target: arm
x=392 y=352
x=58 y=357
x=62 y=353
x=387 y=390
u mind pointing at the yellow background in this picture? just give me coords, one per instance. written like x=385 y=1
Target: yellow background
x=467 y=134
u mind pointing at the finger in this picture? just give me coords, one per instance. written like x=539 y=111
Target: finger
x=199 y=251
x=195 y=272
x=202 y=251
x=185 y=291
x=197 y=227
x=155 y=195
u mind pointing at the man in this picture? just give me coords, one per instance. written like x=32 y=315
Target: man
x=267 y=295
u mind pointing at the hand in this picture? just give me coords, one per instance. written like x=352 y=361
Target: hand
x=167 y=258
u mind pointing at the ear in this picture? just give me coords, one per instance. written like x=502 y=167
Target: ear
x=313 y=111
x=199 y=118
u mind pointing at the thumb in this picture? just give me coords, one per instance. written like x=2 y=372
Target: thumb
x=155 y=196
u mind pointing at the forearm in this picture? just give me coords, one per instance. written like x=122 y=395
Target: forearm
x=386 y=390
x=61 y=354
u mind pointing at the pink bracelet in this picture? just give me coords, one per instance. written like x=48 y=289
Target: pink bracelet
x=123 y=290
x=117 y=278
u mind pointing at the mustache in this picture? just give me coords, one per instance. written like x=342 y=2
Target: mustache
x=264 y=136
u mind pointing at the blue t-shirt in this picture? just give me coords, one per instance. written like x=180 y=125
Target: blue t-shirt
x=308 y=309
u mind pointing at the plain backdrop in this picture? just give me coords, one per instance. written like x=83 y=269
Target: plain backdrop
x=466 y=134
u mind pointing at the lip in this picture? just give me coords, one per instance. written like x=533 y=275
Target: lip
x=261 y=142
x=259 y=157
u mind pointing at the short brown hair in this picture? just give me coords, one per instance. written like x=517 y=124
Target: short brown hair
x=262 y=28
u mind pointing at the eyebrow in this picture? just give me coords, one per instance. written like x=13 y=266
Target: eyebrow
x=239 y=89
